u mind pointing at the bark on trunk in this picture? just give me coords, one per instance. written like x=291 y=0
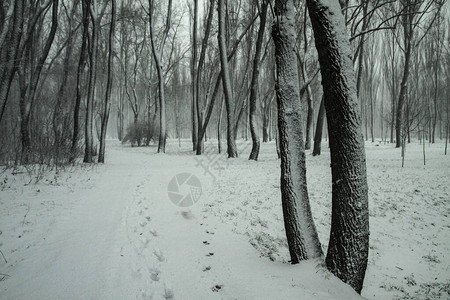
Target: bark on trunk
x=228 y=94
x=31 y=69
x=194 y=75
x=9 y=55
x=81 y=65
x=301 y=233
x=202 y=123
x=88 y=126
x=157 y=56
x=255 y=81
x=319 y=129
x=349 y=237
x=107 y=107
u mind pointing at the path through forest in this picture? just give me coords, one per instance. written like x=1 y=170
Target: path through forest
x=110 y=232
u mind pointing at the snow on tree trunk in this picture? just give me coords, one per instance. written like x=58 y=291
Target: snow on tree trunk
x=349 y=238
x=301 y=232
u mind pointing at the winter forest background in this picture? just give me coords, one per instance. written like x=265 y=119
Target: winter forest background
x=234 y=92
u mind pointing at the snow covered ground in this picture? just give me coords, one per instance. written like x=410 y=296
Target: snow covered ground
x=111 y=232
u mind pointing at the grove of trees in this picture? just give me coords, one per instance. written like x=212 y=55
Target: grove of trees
x=76 y=72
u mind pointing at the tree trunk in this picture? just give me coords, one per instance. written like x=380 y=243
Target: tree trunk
x=255 y=81
x=58 y=115
x=107 y=107
x=81 y=65
x=157 y=56
x=219 y=125
x=93 y=42
x=319 y=129
x=349 y=237
x=30 y=73
x=194 y=75
x=9 y=55
x=226 y=82
x=301 y=232
x=203 y=122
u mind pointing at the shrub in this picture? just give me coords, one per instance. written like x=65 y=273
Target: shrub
x=141 y=133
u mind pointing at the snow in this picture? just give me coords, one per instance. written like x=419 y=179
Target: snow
x=111 y=232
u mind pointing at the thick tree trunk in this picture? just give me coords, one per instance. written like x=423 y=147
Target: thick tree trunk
x=226 y=83
x=255 y=81
x=319 y=129
x=349 y=238
x=301 y=232
x=107 y=107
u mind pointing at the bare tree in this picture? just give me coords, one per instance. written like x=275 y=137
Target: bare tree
x=255 y=80
x=157 y=56
x=11 y=34
x=226 y=82
x=32 y=62
x=107 y=104
x=301 y=233
x=349 y=238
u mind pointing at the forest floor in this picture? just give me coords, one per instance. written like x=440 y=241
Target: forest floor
x=111 y=231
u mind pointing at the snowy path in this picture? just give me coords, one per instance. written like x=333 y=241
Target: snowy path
x=112 y=233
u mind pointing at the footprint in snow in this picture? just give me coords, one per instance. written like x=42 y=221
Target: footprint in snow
x=206 y=268
x=159 y=255
x=206 y=242
x=154 y=274
x=217 y=288
x=153 y=232
x=148 y=218
x=168 y=294
x=187 y=215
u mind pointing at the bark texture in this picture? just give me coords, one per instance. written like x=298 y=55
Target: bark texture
x=107 y=107
x=301 y=232
x=255 y=81
x=349 y=237
x=226 y=82
x=319 y=129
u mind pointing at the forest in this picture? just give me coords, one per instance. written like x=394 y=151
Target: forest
x=334 y=112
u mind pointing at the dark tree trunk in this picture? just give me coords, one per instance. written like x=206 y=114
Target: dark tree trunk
x=301 y=232
x=9 y=55
x=202 y=122
x=30 y=73
x=255 y=81
x=319 y=129
x=107 y=107
x=59 y=115
x=228 y=93
x=88 y=126
x=194 y=103
x=81 y=65
x=349 y=237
